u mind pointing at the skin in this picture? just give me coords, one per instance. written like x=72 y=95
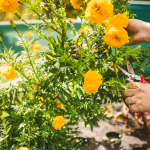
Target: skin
x=140 y=30
x=139 y=95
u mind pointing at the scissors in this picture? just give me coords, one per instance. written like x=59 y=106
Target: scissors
x=131 y=75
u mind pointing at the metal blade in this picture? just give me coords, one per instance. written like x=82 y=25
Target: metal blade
x=138 y=78
x=110 y=68
x=124 y=71
x=129 y=67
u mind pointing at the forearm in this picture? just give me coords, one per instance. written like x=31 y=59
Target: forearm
x=147 y=33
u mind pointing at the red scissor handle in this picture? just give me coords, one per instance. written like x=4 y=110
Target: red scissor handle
x=143 y=80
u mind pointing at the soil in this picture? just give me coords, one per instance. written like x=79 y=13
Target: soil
x=132 y=138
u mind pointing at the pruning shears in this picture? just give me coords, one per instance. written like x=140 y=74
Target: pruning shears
x=131 y=75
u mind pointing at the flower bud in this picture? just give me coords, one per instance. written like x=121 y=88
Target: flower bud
x=12 y=24
x=49 y=45
x=51 y=39
x=17 y=14
x=1 y=41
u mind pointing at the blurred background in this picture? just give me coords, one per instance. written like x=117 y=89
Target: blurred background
x=71 y=13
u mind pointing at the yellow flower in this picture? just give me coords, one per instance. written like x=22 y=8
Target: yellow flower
x=8 y=72
x=9 y=5
x=60 y=104
x=112 y=64
x=92 y=81
x=78 y=53
x=58 y=122
x=96 y=50
x=36 y=87
x=50 y=37
x=76 y=3
x=85 y=28
x=118 y=21
x=116 y=37
x=42 y=101
x=70 y=20
x=99 y=10
x=36 y=47
x=29 y=33
x=4 y=115
x=81 y=30
x=23 y=148
x=105 y=51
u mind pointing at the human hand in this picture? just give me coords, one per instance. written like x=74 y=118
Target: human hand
x=139 y=95
x=140 y=30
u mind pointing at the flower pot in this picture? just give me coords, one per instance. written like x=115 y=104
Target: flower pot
x=112 y=140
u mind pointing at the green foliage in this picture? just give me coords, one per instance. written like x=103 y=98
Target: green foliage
x=29 y=102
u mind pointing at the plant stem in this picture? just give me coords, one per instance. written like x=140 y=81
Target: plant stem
x=42 y=19
x=16 y=68
x=116 y=64
x=27 y=49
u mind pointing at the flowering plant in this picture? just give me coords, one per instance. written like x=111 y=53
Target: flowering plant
x=48 y=89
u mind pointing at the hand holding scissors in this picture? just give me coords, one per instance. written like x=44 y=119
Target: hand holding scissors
x=137 y=95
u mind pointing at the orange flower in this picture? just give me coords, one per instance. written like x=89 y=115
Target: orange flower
x=8 y=72
x=99 y=10
x=58 y=122
x=76 y=3
x=36 y=47
x=92 y=81
x=116 y=37
x=117 y=21
x=9 y=5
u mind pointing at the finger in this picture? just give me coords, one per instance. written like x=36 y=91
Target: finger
x=134 y=108
x=131 y=99
x=130 y=92
x=132 y=42
x=133 y=85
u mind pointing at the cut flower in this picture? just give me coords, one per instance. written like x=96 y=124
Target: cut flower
x=99 y=10
x=92 y=82
x=116 y=37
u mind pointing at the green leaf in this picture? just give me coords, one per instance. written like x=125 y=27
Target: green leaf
x=91 y=126
x=54 y=70
x=66 y=93
x=47 y=82
x=60 y=96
